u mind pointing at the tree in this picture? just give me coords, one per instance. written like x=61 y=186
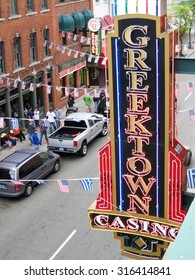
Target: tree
x=182 y=18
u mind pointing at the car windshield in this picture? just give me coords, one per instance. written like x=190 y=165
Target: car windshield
x=6 y=173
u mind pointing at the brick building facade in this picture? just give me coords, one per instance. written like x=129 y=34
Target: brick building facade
x=42 y=54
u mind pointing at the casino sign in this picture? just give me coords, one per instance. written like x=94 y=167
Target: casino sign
x=142 y=174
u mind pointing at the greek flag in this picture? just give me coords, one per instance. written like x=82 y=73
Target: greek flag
x=191 y=178
x=40 y=182
x=87 y=184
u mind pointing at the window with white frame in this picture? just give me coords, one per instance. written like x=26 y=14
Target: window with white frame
x=13 y=4
x=44 y=5
x=30 y=6
x=17 y=52
x=33 y=47
x=46 y=43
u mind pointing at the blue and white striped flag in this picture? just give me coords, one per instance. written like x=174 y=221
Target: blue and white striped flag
x=87 y=184
x=191 y=178
x=40 y=182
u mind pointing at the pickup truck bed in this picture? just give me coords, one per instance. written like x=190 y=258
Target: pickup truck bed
x=67 y=132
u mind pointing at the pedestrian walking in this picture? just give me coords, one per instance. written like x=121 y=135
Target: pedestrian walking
x=88 y=102
x=102 y=103
x=96 y=101
x=58 y=114
x=43 y=131
x=52 y=120
x=30 y=113
x=71 y=100
x=35 y=140
x=30 y=129
x=36 y=116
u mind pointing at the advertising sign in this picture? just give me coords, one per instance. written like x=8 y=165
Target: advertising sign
x=145 y=209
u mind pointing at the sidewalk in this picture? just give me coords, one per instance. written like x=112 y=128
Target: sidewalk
x=27 y=145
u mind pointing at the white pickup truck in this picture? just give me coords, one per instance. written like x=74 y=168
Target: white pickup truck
x=79 y=129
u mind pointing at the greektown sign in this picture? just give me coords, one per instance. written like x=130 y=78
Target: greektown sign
x=141 y=172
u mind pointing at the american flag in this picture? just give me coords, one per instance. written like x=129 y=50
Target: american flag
x=2 y=124
x=189 y=87
x=23 y=85
x=82 y=39
x=63 y=185
x=192 y=115
x=31 y=87
x=50 y=45
x=75 y=37
x=96 y=59
x=76 y=92
x=177 y=88
x=104 y=61
x=58 y=88
x=87 y=185
x=86 y=90
x=76 y=53
x=69 y=52
x=48 y=89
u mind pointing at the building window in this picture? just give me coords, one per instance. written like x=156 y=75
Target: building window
x=30 y=6
x=13 y=7
x=2 y=58
x=17 y=52
x=61 y=1
x=46 y=46
x=44 y=5
x=33 y=47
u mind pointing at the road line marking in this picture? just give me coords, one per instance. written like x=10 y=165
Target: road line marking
x=188 y=96
x=63 y=244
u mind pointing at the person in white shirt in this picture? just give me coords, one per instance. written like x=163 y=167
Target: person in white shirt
x=36 y=116
x=51 y=116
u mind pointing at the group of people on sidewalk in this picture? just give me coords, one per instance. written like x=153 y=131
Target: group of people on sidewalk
x=38 y=128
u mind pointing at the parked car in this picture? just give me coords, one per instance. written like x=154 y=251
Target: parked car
x=20 y=170
x=78 y=131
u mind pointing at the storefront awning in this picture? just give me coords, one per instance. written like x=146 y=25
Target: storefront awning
x=87 y=15
x=66 y=23
x=79 y=19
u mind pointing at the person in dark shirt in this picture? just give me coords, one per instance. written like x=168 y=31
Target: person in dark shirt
x=71 y=101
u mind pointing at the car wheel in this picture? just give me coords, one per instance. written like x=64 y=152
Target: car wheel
x=28 y=190
x=83 y=150
x=56 y=166
x=104 y=130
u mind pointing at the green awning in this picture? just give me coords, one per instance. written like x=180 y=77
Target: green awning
x=79 y=19
x=87 y=15
x=66 y=23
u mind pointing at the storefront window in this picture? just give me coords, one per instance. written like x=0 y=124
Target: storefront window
x=72 y=81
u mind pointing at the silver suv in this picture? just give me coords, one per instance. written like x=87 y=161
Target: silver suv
x=20 y=170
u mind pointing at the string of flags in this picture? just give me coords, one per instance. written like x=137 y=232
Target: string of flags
x=184 y=47
x=86 y=183
x=32 y=86
x=68 y=51
x=189 y=87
